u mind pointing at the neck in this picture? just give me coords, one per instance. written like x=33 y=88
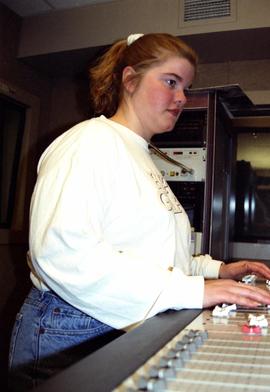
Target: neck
x=120 y=118
x=128 y=118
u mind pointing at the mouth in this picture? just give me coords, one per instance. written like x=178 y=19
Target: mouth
x=174 y=112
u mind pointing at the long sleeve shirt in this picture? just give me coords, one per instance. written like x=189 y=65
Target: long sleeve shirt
x=106 y=232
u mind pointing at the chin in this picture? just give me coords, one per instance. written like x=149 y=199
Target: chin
x=169 y=128
x=165 y=128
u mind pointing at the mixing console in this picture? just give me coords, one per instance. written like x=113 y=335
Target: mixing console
x=210 y=354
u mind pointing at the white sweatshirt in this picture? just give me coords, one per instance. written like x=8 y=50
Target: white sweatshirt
x=106 y=230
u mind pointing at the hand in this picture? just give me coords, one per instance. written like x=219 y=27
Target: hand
x=241 y=268
x=228 y=291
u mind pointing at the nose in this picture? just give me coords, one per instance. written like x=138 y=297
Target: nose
x=180 y=97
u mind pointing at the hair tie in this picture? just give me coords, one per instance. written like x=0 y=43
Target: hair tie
x=132 y=38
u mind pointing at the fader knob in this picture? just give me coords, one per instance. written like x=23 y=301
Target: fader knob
x=161 y=372
x=175 y=363
x=198 y=340
x=184 y=354
x=204 y=335
x=186 y=343
x=151 y=384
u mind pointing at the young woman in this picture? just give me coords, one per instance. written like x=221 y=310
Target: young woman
x=109 y=242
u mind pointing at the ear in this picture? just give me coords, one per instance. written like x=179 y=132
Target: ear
x=128 y=80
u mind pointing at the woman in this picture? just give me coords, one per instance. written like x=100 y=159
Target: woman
x=109 y=242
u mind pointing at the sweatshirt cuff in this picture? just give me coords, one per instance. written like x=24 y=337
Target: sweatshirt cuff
x=182 y=292
x=212 y=269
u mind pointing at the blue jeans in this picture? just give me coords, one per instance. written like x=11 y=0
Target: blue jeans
x=49 y=335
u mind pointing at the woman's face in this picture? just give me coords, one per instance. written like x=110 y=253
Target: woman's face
x=157 y=101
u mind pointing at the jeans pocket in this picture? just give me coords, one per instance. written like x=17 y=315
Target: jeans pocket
x=66 y=335
x=68 y=319
x=62 y=326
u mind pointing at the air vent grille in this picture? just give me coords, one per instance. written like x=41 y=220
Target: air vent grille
x=206 y=9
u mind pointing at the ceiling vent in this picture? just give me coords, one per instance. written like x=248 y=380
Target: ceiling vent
x=203 y=12
x=206 y=9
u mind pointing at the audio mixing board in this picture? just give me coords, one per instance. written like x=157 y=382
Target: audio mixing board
x=210 y=354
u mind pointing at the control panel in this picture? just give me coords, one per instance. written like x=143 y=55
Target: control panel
x=215 y=352
x=192 y=158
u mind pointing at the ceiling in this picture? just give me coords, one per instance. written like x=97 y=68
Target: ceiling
x=26 y=8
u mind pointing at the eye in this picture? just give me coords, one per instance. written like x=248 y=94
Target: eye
x=171 y=83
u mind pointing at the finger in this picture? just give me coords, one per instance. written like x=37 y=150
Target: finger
x=229 y=291
x=258 y=268
x=262 y=269
x=243 y=294
x=248 y=303
x=254 y=293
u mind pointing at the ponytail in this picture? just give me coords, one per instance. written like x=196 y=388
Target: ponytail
x=106 y=80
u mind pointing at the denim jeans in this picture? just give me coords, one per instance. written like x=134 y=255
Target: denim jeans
x=49 y=335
